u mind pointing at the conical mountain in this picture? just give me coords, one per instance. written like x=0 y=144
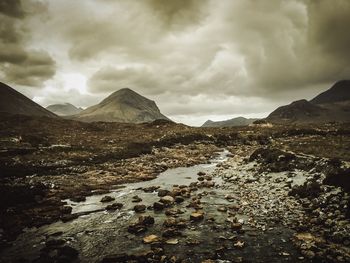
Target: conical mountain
x=14 y=102
x=124 y=105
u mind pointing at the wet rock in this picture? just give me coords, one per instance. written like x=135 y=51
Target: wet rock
x=115 y=206
x=208 y=178
x=171 y=232
x=139 y=208
x=151 y=239
x=200 y=178
x=136 y=199
x=137 y=228
x=179 y=199
x=173 y=212
x=78 y=199
x=150 y=189
x=167 y=200
x=163 y=192
x=197 y=216
x=201 y=173
x=107 y=199
x=157 y=206
x=146 y=220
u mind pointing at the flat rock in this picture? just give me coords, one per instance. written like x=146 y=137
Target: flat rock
x=151 y=239
x=197 y=216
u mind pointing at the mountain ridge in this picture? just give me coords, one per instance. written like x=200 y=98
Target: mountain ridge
x=330 y=105
x=234 y=122
x=64 y=109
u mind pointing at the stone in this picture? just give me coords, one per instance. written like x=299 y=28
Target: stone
x=163 y=192
x=172 y=241
x=136 y=199
x=222 y=209
x=107 y=199
x=146 y=220
x=200 y=173
x=179 y=199
x=115 y=206
x=171 y=232
x=239 y=244
x=139 y=208
x=137 y=228
x=197 y=216
x=167 y=200
x=151 y=239
x=158 y=206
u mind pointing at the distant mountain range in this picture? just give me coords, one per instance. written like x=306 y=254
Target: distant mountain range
x=239 y=121
x=11 y=101
x=64 y=109
x=124 y=105
x=331 y=105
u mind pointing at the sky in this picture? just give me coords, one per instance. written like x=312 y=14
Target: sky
x=197 y=59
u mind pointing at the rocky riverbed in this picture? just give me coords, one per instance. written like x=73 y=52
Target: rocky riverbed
x=248 y=204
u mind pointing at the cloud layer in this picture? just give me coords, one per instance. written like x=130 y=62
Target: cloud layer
x=197 y=59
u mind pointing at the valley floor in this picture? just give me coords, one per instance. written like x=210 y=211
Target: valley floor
x=169 y=193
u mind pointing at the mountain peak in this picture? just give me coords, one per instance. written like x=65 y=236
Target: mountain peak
x=340 y=91
x=124 y=105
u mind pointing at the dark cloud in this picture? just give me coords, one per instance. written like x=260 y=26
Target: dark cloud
x=11 y=8
x=193 y=57
x=19 y=64
x=178 y=14
x=110 y=79
x=32 y=71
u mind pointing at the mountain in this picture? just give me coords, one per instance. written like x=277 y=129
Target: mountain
x=124 y=105
x=11 y=101
x=239 y=121
x=64 y=109
x=331 y=105
x=340 y=91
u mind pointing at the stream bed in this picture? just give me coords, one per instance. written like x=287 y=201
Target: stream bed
x=262 y=209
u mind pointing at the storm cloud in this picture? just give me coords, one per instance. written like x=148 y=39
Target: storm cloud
x=19 y=64
x=197 y=59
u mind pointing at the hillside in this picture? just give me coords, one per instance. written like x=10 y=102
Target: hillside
x=14 y=102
